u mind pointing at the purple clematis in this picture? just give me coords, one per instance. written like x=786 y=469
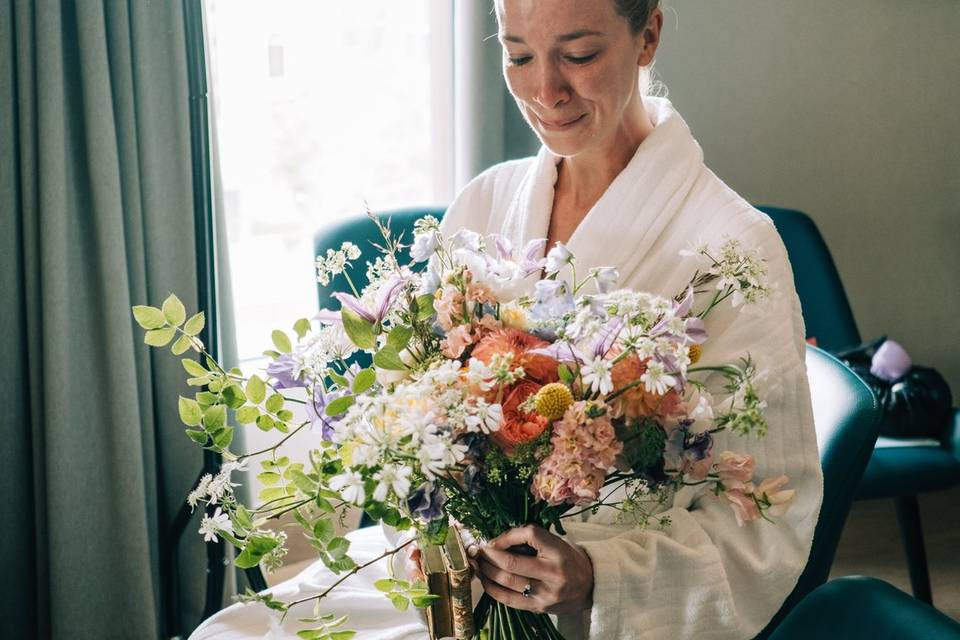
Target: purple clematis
x=286 y=371
x=386 y=296
x=316 y=412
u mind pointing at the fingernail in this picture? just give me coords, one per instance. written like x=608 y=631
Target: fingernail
x=473 y=550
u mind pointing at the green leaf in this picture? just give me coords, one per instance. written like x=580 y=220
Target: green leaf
x=253 y=551
x=193 y=367
x=340 y=405
x=173 y=310
x=388 y=358
x=281 y=341
x=190 y=412
x=200 y=437
x=215 y=417
x=360 y=332
x=424 y=306
x=424 y=601
x=342 y=382
x=400 y=601
x=303 y=482
x=563 y=371
x=199 y=382
x=223 y=438
x=149 y=317
x=274 y=403
x=205 y=398
x=181 y=345
x=194 y=324
x=256 y=390
x=384 y=584
x=283 y=461
x=323 y=530
x=265 y=423
x=243 y=517
x=215 y=385
x=342 y=635
x=269 y=478
x=159 y=337
x=233 y=395
x=338 y=547
x=323 y=504
x=301 y=327
x=312 y=634
x=364 y=380
x=246 y=415
x=399 y=337
x=285 y=415
x=273 y=493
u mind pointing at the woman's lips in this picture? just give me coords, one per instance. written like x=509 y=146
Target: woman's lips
x=561 y=125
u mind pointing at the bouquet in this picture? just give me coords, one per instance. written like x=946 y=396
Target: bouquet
x=502 y=390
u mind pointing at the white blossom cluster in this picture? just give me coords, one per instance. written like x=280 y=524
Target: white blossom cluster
x=335 y=261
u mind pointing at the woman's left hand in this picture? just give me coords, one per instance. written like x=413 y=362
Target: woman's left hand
x=558 y=579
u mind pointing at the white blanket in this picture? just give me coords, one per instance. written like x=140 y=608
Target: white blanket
x=704 y=577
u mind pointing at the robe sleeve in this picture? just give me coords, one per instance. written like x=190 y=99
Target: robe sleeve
x=704 y=576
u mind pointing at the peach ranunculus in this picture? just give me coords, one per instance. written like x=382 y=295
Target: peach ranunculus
x=456 y=341
x=771 y=490
x=744 y=507
x=518 y=426
x=447 y=302
x=637 y=402
x=536 y=367
x=735 y=469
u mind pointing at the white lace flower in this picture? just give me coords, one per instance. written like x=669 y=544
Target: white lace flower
x=210 y=526
x=350 y=486
x=392 y=477
x=200 y=492
x=656 y=379
x=597 y=374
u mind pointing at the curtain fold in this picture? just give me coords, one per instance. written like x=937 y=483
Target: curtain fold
x=96 y=215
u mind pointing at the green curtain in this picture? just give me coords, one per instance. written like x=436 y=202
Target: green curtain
x=96 y=215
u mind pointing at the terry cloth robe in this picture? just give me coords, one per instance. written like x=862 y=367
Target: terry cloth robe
x=703 y=577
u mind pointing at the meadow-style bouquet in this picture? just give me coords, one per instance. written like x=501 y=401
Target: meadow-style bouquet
x=502 y=390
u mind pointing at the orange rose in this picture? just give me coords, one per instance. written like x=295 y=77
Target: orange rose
x=540 y=368
x=519 y=426
x=637 y=401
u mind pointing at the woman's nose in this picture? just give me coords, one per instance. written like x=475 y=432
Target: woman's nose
x=552 y=89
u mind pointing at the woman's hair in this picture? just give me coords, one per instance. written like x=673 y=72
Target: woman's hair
x=637 y=12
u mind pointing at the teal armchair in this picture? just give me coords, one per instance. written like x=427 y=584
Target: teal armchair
x=859 y=608
x=897 y=472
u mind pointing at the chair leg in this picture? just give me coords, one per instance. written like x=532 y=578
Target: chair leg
x=911 y=534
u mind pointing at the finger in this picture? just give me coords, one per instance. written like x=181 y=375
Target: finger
x=508 y=596
x=536 y=537
x=514 y=563
x=505 y=579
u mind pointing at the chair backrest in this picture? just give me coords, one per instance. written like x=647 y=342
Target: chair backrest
x=826 y=310
x=361 y=231
x=846 y=415
x=859 y=608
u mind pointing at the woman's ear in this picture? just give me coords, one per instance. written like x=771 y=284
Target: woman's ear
x=651 y=38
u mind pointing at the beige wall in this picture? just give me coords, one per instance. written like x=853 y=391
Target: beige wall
x=849 y=111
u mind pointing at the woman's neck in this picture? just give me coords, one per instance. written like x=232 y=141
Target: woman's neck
x=583 y=179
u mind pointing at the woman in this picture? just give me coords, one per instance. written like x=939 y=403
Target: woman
x=621 y=181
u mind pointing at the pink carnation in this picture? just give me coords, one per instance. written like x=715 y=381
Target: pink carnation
x=447 y=305
x=456 y=340
x=583 y=450
x=735 y=469
x=744 y=506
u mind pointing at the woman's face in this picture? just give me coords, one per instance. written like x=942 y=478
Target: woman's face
x=572 y=66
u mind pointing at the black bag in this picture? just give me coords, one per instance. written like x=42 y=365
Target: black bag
x=915 y=405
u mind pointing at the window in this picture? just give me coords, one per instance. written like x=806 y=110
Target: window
x=319 y=107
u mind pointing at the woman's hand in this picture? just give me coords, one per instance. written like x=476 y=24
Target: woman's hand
x=558 y=579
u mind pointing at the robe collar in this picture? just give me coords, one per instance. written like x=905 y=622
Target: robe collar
x=637 y=205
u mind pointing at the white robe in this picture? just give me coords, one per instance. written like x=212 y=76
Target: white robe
x=703 y=577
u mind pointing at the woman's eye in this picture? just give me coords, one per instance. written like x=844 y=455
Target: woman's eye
x=519 y=62
x=581 y=59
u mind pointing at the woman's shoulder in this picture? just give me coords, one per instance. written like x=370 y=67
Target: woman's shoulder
x=488 y=191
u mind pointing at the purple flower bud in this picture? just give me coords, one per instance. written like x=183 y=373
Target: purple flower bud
x=285 y=371
x=890 y=362
x=426 y=502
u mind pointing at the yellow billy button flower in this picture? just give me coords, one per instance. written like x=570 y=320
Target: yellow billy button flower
x=553 y=400
x=694 y=351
